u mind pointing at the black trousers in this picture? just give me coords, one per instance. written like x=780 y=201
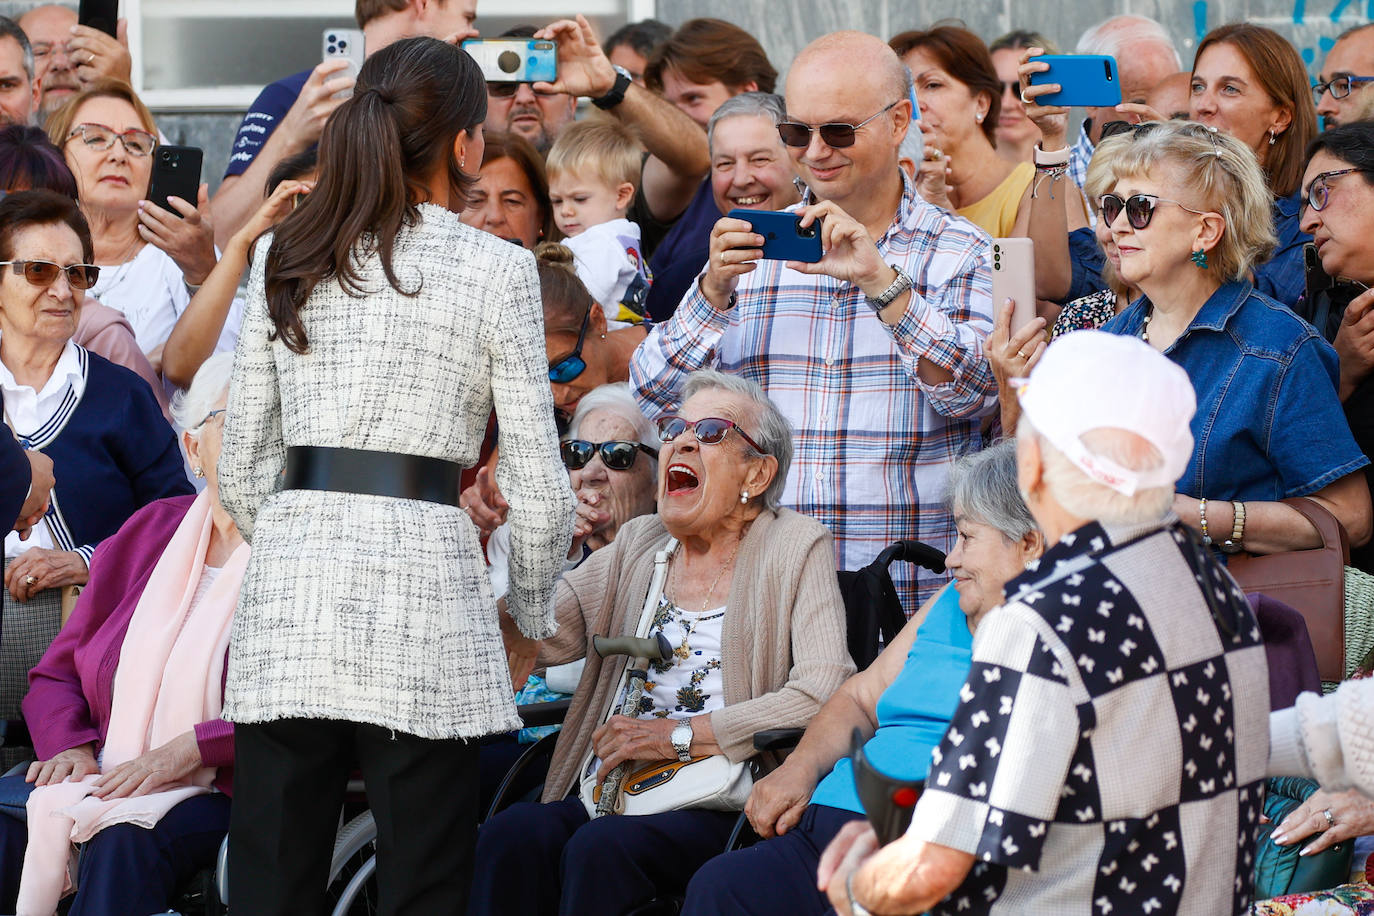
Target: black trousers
x=289 y=782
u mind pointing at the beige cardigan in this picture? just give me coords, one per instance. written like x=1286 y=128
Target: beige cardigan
x=783 y=641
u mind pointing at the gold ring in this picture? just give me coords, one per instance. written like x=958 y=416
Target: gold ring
x=30 y=580
x=1021 y=353
x=722 y=259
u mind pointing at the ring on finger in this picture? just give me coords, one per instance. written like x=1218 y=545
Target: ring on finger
x=722 y=259
x=30 y=580
x=1026 y=101
x=1330 y=818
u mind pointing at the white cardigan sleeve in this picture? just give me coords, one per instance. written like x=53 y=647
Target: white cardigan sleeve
x=1329 y=739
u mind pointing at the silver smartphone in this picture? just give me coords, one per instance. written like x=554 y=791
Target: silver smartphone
x=345 y=44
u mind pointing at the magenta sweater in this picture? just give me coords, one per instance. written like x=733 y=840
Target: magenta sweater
x=70 y=690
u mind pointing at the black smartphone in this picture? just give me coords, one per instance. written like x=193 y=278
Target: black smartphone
x=99 y=14
x=784 y=239
x=176 y=173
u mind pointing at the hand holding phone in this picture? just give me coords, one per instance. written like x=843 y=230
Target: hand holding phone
x=347 y=45
x=1013 y=277
x=514 y=60
x=99 y=14
x=1085 y=80
x=784 y=238
x=176 y=173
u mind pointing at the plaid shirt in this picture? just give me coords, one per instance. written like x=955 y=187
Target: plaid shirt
x=1080 y=154
x=873 y=443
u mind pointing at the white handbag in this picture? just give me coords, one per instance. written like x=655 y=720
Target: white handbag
x=710 y=782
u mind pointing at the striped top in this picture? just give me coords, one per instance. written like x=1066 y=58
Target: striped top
x=873 y=442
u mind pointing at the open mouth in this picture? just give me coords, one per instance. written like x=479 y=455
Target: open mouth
x=681 y=479
x=752 y=201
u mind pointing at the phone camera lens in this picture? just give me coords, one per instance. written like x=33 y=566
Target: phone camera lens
x=808 y=233
x=343 y=46
x=508 y=61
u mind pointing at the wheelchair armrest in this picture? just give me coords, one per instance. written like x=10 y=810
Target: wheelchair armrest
x=777 y=739
x=535 y=715
x=14 y=733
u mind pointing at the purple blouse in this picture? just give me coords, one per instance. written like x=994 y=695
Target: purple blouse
x=71 y=688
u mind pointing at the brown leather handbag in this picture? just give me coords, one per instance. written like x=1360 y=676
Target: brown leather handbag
x=1310 y=581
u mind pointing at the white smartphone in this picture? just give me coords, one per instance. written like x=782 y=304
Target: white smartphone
x=1013 y=277
x=346 y=44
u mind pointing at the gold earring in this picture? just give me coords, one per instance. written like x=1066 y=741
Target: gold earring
x=198 y=471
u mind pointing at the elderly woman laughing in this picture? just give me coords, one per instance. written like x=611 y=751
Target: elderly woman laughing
x=748 y=603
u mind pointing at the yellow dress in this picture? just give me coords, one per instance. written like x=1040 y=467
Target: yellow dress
x=995 y=214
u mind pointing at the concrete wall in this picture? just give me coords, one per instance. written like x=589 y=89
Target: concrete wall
x=785 y=26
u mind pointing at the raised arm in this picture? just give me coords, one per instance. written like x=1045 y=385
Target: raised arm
x=678 y=155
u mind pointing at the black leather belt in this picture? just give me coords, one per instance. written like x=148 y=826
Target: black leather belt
x=351 y=470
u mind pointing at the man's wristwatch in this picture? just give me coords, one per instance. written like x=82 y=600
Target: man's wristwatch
x=618 y=89
x=682 y=739
x=889 y=295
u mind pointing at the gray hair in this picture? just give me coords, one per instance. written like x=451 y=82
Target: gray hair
x=983 y=488
x=1114 y=36
x=10 y=29
x=191 y=405
x=1084 y=497
x=745 y=105
x=771 y=430
x=616 y=398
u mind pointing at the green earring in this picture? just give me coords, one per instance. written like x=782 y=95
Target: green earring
x=1200 y=258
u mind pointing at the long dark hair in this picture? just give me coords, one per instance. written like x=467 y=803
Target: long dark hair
x=411 y=101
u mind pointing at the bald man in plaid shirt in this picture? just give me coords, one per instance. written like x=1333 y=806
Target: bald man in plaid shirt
x=874 y=353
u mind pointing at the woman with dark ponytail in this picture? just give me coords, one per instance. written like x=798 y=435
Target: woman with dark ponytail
x=379 y=334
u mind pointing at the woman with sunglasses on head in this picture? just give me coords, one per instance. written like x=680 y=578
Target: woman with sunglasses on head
x=380 y=333
x=111 y=448
x=745 y=594
x=1188 y=213
x=152 y=259
x=1250 y=82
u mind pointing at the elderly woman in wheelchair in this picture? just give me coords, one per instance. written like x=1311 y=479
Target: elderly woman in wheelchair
x=124 y=708
x=901 y=703
x=742 y=629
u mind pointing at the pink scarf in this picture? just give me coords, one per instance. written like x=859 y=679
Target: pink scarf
x=168 y=681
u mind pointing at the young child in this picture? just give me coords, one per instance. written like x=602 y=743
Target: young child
x=593 y=167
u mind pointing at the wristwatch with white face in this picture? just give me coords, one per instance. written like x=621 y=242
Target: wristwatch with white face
x=682 y=740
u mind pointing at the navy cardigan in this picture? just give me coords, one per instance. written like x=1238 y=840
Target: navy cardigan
x=15 y=478
x=112 y=453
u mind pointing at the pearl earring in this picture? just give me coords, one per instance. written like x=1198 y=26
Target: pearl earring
x=744 y=497
x=198 y=471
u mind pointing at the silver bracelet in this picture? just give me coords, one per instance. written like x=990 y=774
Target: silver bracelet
x=855 y=907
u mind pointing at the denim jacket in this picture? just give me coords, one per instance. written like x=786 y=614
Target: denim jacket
x=1269 y=423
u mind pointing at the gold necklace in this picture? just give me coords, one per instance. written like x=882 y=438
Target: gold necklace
x=714 y=582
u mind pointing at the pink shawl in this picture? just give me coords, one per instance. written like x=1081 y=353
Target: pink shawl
x=167 y=681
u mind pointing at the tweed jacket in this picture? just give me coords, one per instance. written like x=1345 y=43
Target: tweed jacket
x=368 y=608
x=783 y=642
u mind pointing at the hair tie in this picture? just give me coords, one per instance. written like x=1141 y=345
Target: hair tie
x=385 y=96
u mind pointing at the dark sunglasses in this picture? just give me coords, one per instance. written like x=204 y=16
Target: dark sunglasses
x=572 y=365
x=508 y=90
x=708 y=430
x=1319 y=191
x=616 y=454
x=44 y=273
x=1140 y=208
x=835 y=134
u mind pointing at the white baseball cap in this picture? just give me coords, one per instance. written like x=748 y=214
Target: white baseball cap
x=1092 y=380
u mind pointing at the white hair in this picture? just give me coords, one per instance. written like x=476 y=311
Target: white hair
x=191 y=405
x=1080 y=495
x=773 y=433
x=616 y=398
x=1114 y=36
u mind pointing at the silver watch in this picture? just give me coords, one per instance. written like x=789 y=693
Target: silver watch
x=682 y=739
x=889 y=295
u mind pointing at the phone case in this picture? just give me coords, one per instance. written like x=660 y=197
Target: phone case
x=176 y=173
x=1085 y=80
x=99 y=14
x=1013 y=277
x=346 y=44
x=784 y=239
x=514 y=60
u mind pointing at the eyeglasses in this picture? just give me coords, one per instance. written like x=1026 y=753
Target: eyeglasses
x=1319 y=191
x=572 y=365
x=616 y=454
x=708 y=430
x=835 y=134
x=1340 y=87
x=507 y=90
x=1014 y=87
x=97 y=136
x=1140 y=208
x=210 y=416
x=44 y=273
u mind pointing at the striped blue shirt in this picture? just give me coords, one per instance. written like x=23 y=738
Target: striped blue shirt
x=873 y=442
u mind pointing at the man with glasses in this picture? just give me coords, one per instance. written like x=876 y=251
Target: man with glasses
x=516 y=108
x=874 y=353
x=1346 y=72
x=288 y=116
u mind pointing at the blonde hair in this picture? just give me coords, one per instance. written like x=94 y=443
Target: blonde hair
x=602 y=148
x=60 y=122
x=1098 y=180
x=1223 y=175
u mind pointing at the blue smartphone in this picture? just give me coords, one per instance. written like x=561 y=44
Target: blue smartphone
x=514 y=60
x=784 y=239
x=1085 y=80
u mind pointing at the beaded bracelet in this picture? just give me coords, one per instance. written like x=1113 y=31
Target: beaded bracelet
x=1052 y=172
x=1202 y=517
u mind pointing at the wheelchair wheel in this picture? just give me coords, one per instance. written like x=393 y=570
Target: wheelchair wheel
x=352 y=869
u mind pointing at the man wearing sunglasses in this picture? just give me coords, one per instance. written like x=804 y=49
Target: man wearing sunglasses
x=875 y=352
x=1347 y=71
